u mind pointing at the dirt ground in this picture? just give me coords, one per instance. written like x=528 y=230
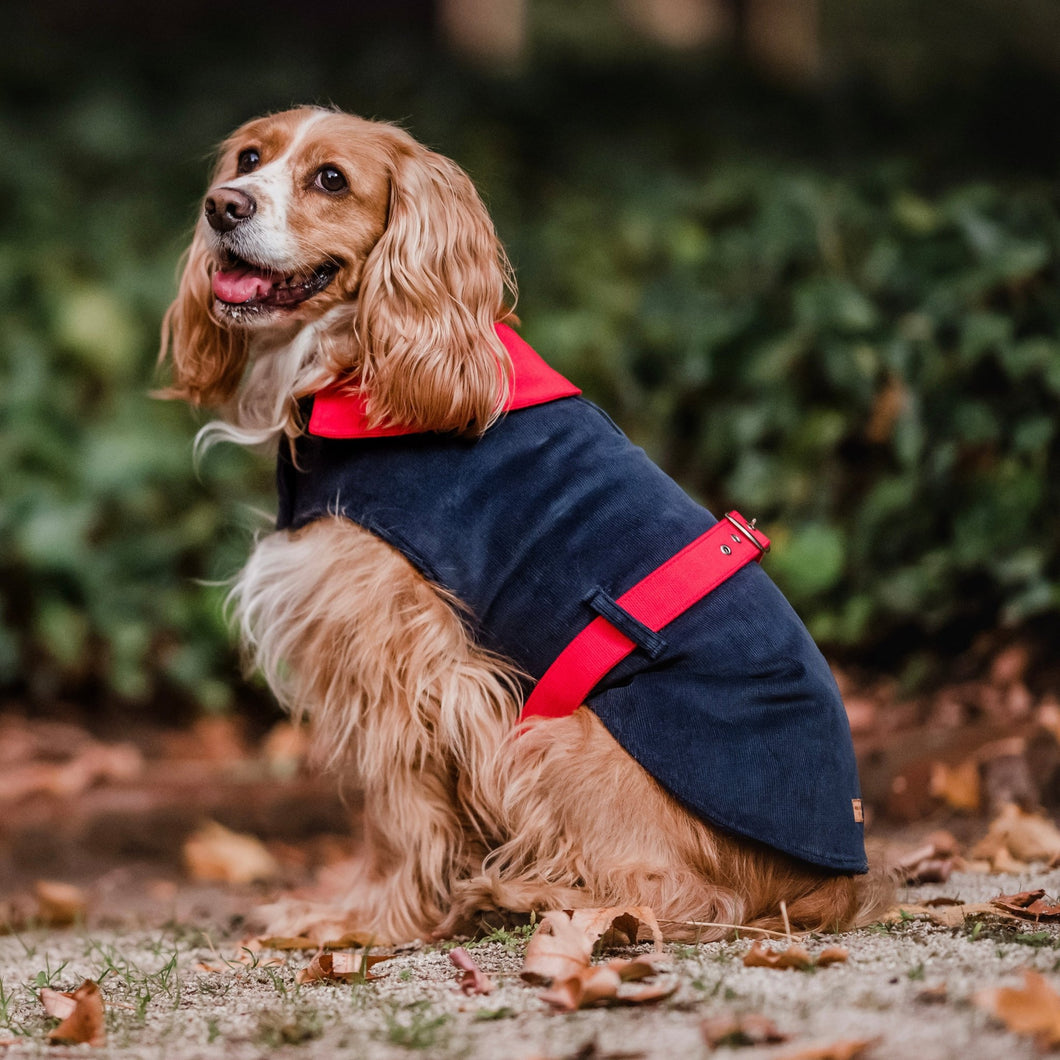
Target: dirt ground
x=178 y=984
x=169 y=938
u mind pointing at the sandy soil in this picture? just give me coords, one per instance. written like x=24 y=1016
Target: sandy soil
x=175 y=986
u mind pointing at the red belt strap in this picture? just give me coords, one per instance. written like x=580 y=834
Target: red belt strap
x=654 y=601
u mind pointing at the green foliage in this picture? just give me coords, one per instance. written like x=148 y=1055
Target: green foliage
x=871 y=371
x=865 y=361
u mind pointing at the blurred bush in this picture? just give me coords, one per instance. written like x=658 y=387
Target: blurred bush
x=862 y=353
x=872 y=371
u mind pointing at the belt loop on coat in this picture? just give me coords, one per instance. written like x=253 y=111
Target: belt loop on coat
x=656 y=600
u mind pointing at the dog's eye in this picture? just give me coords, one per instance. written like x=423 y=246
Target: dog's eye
x=330 y=179
x=249 y=160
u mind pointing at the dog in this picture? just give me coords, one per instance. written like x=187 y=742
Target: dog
x=456 y=525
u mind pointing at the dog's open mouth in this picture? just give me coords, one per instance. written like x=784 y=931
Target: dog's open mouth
x=239 y=284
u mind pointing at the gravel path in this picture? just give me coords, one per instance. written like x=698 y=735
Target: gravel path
x=160 y=1003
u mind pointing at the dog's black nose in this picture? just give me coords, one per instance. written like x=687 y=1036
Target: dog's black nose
x=226 y=207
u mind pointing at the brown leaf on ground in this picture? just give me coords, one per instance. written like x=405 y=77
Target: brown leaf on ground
x=847 y=1049
x=616 y=926
x=832 y=955
x=57 y=1003
x=642 y=967
x=762 y=956
x=1030 y=905
x=1018 y=836
x=59 y=904
x=746 y=1029
x=341 y=968
x=92 y=764
x=932 y=862
x=53 y=905
x=1032 y=1009
x=474 y=980
x=84 y=1023
x=604 y=984
x=957 y=786
x=563 y=944
x=561 y=949
x=558 y=950
x=952 y=914
x=934 y=995
x=583 y=990
x=215 y=853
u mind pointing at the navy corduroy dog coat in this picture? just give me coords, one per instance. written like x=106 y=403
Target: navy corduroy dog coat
x=538 y=526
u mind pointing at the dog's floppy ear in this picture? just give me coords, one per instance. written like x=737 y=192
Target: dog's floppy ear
x=431 y=290
x=208 y=360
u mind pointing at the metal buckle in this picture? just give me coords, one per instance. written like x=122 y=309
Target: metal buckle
x=749 y=529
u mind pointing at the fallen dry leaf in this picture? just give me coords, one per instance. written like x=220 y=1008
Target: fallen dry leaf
x=215 y=853
x=1031 y=1009
x=59 y=904
x=558 y=950
x=931 y=862
x=341 y=968
x=957 y=786
x=57 y=1003
x=605 y=984
x=53 y=905
x=586 y=988
x=1030 y=905
x=1005 y=862
x=563 y=944
x=842 y=1050
x=952 y=914
x=832 y=955
x=1018 y=836
x=746 y=1029
x=561 y=949
x=474 y=980
x=617 y=926
x=93 y=764
x=84 y=1023
x=934 y=995
x=642 y=967
x=762 y=956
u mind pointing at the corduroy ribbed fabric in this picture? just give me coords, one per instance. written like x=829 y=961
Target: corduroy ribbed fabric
x=552 y=511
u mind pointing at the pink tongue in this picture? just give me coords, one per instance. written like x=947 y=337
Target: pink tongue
x=243 y=285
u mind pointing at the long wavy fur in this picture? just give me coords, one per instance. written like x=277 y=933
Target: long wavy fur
x=464 y=816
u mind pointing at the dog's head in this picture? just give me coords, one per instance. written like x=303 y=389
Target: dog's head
x=347 y=245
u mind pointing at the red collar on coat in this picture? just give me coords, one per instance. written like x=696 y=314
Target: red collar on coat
x=339 y=412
